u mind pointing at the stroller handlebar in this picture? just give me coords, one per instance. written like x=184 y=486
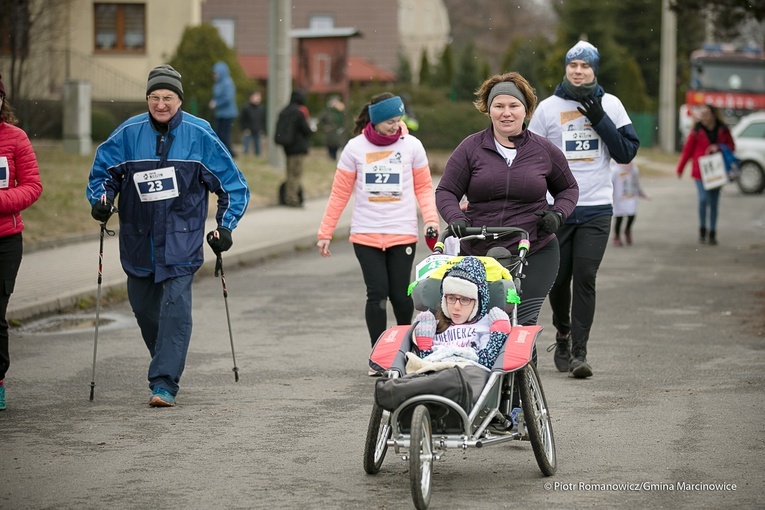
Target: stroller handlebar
x=485 y=233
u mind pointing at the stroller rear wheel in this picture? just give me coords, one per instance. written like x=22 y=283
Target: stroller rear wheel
x=376 y=445
x=537 y=418
x=421 y=457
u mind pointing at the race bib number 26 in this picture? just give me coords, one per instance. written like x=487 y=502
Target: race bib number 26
x=581 y=144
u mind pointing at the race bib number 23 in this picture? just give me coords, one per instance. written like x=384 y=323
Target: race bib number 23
x=154 y=185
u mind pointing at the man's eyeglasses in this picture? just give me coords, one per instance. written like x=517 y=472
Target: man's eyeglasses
x=164 y=99
x=464 y=301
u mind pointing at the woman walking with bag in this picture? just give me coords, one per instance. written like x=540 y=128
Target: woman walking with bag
x=707 y=136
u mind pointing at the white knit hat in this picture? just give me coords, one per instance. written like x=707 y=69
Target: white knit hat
x=460 y=287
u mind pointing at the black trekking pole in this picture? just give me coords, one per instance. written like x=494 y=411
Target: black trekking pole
x=98 y=302
x=219 y=269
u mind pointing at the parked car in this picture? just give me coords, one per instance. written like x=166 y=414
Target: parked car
x=749 y=135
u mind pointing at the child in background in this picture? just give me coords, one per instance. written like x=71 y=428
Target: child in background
x=464 y=328
x=627 y=190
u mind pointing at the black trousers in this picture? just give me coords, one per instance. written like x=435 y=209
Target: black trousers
x=540 y=275
x=386 y=275
x=11 y=248
x=572 y=297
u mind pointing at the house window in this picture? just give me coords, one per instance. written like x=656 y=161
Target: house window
x=226 y=29
x=120 y=27
x=14 y=29
x=321 y=22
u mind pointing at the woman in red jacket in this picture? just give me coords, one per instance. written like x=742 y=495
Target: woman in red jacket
x=20 y=187
x=707 y=135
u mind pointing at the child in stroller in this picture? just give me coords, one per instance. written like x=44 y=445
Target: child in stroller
x=466 y=329
x=421 y=416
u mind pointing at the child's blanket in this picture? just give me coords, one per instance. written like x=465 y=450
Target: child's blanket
x=442 y=357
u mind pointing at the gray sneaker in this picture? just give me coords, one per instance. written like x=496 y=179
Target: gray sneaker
x=579 y=368
x=562 y=353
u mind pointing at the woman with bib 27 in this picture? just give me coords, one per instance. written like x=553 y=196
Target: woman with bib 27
x=389 y=172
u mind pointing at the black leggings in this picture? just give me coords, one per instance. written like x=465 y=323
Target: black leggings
x=11 y=248
x=540 y=274
x=618 y=224
x=386 y=274
x=582 y=247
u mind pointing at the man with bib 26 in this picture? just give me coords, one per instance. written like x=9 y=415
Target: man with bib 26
x=163 y=165
x=590 y=127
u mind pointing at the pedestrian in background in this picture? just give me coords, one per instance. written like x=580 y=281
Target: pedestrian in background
x=252 y=122
x=293 y=133
x=223 y=102
x=590 y=127
x=162 y=165
x=709 y=133
x=627 y=191
x=20 y=187
x=506 y=172
x=389 y=172
x=332 y=125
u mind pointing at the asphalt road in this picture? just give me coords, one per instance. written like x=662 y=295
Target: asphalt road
x=672 y=418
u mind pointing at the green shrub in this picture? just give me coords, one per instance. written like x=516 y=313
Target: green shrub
x=102 y=123
x=445 y=124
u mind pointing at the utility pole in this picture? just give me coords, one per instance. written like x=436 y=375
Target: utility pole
x=279 y=71
x=667 y=80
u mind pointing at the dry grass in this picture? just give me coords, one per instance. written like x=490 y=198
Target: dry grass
x=63 y=213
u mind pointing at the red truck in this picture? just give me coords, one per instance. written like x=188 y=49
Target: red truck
x=731 y=78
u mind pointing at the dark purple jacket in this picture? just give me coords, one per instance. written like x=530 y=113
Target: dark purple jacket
x=502 y=196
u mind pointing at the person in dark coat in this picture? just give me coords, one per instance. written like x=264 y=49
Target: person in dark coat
x=293 y=133
x=252 y=122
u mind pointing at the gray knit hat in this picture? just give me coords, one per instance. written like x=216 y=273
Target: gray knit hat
x=164 y=77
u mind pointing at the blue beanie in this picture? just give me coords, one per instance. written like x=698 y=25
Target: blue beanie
x=586 y=52
x=386 y=109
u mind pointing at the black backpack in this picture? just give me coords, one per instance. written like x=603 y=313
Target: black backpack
x=285 y=129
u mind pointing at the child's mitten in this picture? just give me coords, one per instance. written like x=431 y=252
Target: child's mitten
x=425 y=330
x=499 y=320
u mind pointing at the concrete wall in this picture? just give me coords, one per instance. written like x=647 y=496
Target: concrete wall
x=423 y=25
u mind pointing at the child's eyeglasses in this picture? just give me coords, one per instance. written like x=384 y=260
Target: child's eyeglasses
x=464 y=301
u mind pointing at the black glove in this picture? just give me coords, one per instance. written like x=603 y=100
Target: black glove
x=221 y=242
x=102 y=211
x=549 y=221
x=458 y=227
x=593 y=110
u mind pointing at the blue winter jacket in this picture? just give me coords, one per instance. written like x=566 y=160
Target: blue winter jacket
x=165 y=238
x=224 y=93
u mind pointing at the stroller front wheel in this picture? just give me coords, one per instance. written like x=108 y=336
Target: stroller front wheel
x=376 y=446
x=421 y=457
